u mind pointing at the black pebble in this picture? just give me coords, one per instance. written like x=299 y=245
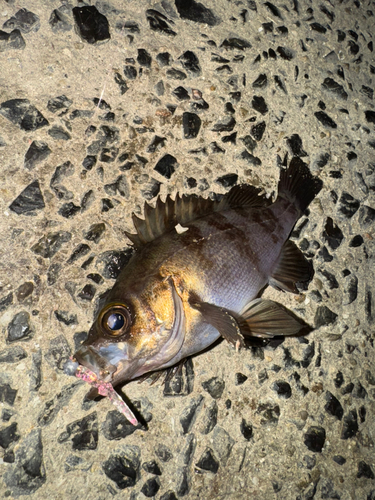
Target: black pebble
x=25 y=290
x=159 y=22
x=189 y=414
x=117 y=426
x=7 y=394
x=366 y=216
x=23 y=114
x=111 y=262
x=152 y=189
x=92 y=26
x=96 y=278
x=12 y=40
x=60 y=103
x=24 y=20
x=332 y=234
x=259 y=104
x=12 y=355
x=37 y=152
x=285 y=53
x=209 y=419
x=151 y=487
x=58 y=352
x=332 y=86
x=29 y=200
x=168 y=495
x=19 y=328
x=294 y=143
x=365 y=470
x=196 y=12
x=351 y=290
x=258 y=130
x=348 y=205
x=66 y=318
x=183 y=481
x=58 y=133
x=350 y=425
x=80 y=251
x=239 y=378
x=166 y=166
x=324 y=317
x=348 y=389
x=83 y=433
x=163 y=453
x=50 y=244
x=227 y=124
x=87 y=293
x=325 y=119
x=283 y=389
x=121 y=83
x=144 y=58
x=190 y=62
x=207 y=462
x=315 y=438
x=339 y=459
x=331 y=281
x=95 y=232
x=60 y=19
x=249 y=143
x=130 y=72
x=176 y=74
x=333 y=406
x=227 y=180
x=191 y=124
x=6 y=301
x=246 y=430
x=164 y=59
x=214 y=386
x=156 y=144
x=235 y=43
x=69 y=210
x=123 y=466
x=152 y=468
x=28 y=472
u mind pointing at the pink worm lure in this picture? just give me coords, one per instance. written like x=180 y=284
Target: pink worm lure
x=106 y=389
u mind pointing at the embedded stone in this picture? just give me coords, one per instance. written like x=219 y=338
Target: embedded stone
x=123 y=465
x=109 y=264
x=29 y=200
x=315 y=438
x=37 y=152
x=191 y=124
x=83 y=433
x=19 y=328
x=22 y=113
x=91 y=25
x=207 y=462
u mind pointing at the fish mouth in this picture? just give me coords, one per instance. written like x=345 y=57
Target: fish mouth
x=90 y=357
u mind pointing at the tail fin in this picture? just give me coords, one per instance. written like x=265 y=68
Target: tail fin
x=298 y=185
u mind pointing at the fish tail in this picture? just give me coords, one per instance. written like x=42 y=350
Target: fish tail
x=298 y=185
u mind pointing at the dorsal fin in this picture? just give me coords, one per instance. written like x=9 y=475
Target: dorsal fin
x=187 y=208
x=243 y=195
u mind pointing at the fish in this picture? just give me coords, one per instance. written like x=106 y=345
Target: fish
x=196 y=275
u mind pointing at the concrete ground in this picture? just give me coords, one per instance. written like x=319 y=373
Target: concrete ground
x=111 y=106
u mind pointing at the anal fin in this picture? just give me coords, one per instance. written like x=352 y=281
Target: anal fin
x=266 y=319
x=292 y=267
x=221 y=319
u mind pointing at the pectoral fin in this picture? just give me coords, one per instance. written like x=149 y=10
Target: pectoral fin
x=292 y=268
x=267 y=319
x=221 y=319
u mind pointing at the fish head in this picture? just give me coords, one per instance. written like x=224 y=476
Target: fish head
x=136 y=335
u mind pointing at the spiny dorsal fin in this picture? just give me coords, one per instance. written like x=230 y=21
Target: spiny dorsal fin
x=243 y=195
x=187 y=208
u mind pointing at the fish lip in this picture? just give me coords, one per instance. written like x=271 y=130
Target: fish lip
x=89 y=357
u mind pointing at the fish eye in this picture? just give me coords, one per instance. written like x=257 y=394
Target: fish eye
x=115 y=320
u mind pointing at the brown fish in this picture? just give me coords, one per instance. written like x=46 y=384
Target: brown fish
x=198 y=268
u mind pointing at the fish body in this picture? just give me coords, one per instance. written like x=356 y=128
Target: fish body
x=198 y=268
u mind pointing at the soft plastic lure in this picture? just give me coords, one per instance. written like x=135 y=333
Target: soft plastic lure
x=105 y=389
